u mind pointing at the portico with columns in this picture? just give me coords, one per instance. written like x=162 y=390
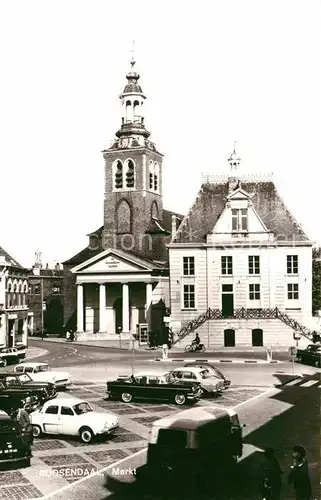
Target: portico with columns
x=115 y=293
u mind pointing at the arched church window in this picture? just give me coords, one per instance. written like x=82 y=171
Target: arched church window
x=130 y=174
x=151 y=175
x=155 y=211
x=119 y=175
x=124 y=217
x=128 y=111
x=136 y=111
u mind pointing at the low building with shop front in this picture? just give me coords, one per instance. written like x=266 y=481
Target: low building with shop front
x=240 y=266
x=119 y=283
x=15 y=316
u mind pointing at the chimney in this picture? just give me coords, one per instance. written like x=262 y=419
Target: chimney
x=47 y=266
x=174 y=226
x=57 y=266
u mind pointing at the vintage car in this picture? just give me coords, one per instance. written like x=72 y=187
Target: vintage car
x=208 y=382
x=9 y=356
x=41 y=372
x=310 y=356
x=14 y=397
x=153 y=386
x=21 y=350
x=12 y=449
x=73 y=417
x=212 y=369
x=43 y=390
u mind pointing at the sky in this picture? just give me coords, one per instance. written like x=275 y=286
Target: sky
x=214 y=72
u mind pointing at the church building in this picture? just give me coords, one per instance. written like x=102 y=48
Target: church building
x=121 y=279
x=240 y=266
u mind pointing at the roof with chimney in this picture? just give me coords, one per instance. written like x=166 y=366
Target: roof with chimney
x=210 y=204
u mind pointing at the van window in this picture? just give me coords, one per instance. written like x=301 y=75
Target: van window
x=214 y=431
x=175 y=438
x=235 y=420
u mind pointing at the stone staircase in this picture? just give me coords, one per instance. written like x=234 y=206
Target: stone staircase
x=242 y=314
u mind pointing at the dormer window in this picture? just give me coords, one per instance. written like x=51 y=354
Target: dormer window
x=239 y=220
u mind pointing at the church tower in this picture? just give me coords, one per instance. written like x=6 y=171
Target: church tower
x=133 y=203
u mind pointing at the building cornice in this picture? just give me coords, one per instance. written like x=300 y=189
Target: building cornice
x=254 y=244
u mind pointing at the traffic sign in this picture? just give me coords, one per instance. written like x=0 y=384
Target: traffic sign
x=292 y=351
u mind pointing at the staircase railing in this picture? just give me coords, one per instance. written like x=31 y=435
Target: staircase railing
x=243 y=313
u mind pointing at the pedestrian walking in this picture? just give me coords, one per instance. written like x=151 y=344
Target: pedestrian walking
x=23 y=419
x=299 y=474
x=68 y=336
x=165 y=351
x=270 y=476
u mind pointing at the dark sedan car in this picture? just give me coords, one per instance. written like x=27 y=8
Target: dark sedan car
x=43 y=390
x=12 y=398
x=9 y=356
x=212 y=369
x=153 y=386
x=12 y=448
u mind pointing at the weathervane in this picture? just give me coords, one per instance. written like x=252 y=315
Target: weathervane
x=132 y=51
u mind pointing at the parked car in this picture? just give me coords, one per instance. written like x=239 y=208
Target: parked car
x=41 y=372
x=9 y=356
x=21 y=350
x=153 y=386
x=208 y=382
x=43 y=390
x=12 y=448
x=212 y=369
x=73 y=417
x=14 y=397
x=310 y=356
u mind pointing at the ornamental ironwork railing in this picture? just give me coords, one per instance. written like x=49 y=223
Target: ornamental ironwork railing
x=243 y=313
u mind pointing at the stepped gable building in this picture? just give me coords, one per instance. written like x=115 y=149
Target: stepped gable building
x=114 y=283
x=15 y=316
x=240 y=266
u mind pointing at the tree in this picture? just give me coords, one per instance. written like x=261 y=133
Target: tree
x=316 y=280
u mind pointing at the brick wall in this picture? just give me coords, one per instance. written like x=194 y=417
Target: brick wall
x=70 y=293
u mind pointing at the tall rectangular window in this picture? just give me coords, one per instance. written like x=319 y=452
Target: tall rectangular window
x=189 y=296
x=254 y=264
x=239 y=220
x=36 y=289
x=56 y=290
x=189 y=266
x=292 y=264
x=227 y=265
x=293 y=291
x=254 y=291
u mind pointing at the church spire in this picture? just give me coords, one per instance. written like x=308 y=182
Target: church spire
x=132 y=99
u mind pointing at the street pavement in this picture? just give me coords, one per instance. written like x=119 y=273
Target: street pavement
x=280 y=417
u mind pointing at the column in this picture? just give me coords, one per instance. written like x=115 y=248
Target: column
x=102 y=308
x=80 y=308
x=25 y=331
x=31 y=324
x=149 y=298
x=125 y=308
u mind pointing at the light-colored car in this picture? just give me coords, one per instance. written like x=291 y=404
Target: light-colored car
x=41 y=372
x=73 y=417
x=209 y=383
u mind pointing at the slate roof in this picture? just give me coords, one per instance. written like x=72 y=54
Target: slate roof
x=10 y=260
x=210 y=204
x=87 y=253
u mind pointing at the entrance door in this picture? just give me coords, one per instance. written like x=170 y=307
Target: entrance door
x=257 y=337
x=229 y=338
x=118 y=307
x=227 y=301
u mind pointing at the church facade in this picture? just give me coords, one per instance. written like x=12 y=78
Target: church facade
x=121 y=279
x=240 y=266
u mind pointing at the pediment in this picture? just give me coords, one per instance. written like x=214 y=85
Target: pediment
x=239 y=194
x=112 y=261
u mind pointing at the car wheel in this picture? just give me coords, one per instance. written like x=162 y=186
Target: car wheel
x=180 y=399
x=86 y=435
x=126 y=397
x=202 y=348
x=36 y=431
x=5 y=362
x=188 y=348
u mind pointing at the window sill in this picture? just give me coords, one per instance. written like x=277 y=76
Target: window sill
x=293 y=308
x=189 y=309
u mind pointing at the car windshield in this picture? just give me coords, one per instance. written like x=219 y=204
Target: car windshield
x=24 y=377
x=82 y=408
